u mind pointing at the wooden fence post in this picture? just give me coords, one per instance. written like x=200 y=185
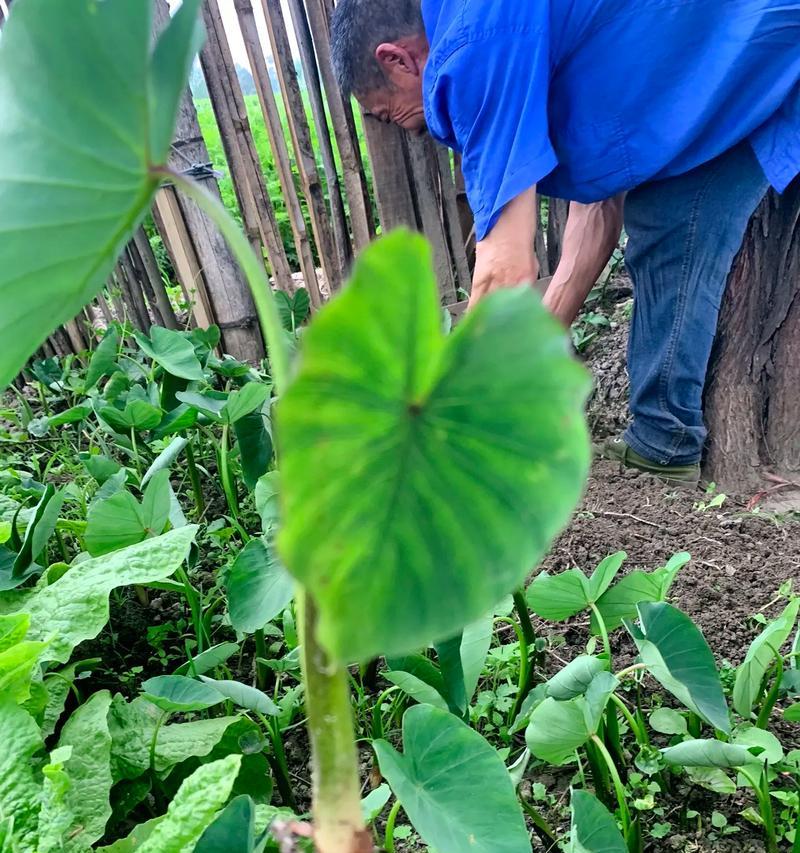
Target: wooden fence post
x=206 y=260
x=452 y=221
x=152 y=274
x=344 y=129
x=308 y=59
x=301 y=142
x=240 y=150
x=280 y=152
x=394 y=192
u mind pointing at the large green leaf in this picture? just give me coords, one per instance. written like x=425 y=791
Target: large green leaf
x=762 y=652
x=55 y=816
x=439 y=468
x=561 y=596
x=707 y=753
x=113 y=523
x=75 y=607
x=574 y=679
x=89 y=770
x=194 y=807
x=258 y=587
x=593 y=828
x=104 y=359
x=476 y=640
x=16 y=669
x=557 y=729
x=172 y=351
x=619 y=602
x=85 y=112
x=234 y=830
x=19 y=788
x=245 y=401
x=453 y=786
x=179 y=693
x=243 y=695
x=255 y=447
x=677 y=655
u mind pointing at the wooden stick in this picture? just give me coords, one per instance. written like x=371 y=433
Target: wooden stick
x=301 y=142
x=153 y=273
x=344 y=129
x=308 y=60
x=452 y=220
x=280 y=152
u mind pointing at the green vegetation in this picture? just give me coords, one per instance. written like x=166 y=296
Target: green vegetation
x=211 y=570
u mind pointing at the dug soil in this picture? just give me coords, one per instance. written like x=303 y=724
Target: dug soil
x=741 y=555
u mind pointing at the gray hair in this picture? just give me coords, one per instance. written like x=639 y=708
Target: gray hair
x=358 y=27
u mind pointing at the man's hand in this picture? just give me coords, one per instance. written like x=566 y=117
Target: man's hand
x=505 y=258
x=591 y=235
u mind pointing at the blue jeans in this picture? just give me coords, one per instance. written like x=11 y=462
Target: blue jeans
x=683 y=236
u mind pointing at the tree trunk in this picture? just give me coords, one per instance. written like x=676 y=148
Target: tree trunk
x=752 y=399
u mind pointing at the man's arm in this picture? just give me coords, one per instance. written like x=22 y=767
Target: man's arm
x=591 y=235
x=505 y=257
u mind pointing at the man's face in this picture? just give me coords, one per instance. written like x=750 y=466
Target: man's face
x=400 y=100
x=393 y=106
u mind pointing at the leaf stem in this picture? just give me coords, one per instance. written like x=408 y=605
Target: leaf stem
x=253 y=268
x=603 y=630
x=338 y=823
x=619 y=788
x=388 y=840
x=154 y=740
x=772 y=696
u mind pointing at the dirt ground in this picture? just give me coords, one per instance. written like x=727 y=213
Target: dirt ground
x=741 y=554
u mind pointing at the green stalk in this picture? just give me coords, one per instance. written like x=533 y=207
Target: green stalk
x=388 y=841
x=619 y=788
x=603 y=630
x=195 y=607
x=525 y=617
x=640 y=733
x=253 y=268
x=772 y=697
x=338 y=823
x=154 y=741
x=525 y=678
x=377 y=719
x=194 y=479
x=261 y=654
x=277 y=761
x=599 y=774
x=760 y=788
x=225 y=475
x=543 y=829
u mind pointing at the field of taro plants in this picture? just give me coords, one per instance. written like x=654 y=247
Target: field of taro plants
x=295 y=606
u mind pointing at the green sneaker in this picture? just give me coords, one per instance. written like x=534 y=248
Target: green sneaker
x=617 y=450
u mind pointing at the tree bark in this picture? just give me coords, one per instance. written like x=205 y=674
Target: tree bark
x=752 y=399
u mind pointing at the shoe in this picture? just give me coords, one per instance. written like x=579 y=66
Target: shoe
x=617 y=450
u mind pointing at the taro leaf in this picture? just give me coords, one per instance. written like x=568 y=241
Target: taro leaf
x=248 y=399
x=75 y=607
x=267 y=502
x=301 y=307
x=112 y=486
x=37 y=534
x=619 y=603
x=416 y=688
x=172 y=351
x=255 y=447
x=284 y=304
x=58 y=685
x=138 y=415
x=211 y=404
x=667 y=721
x=792 y=713
x=453 y=786
x=101 y=468
x=114 y=523
x=458 y=459
x=559 y=597
x=179 y=693
x=208 y=660
x=233 y=831
x=574 y=679
x=249 y=698
x=768 y=746
x=71 y=416
x=75 y=179
x=452 y=669
x=707 y=753
x=375 y=802
x=132 y=843
x=88 y=769
x=180 y=418
x=712 y=779
x=156 y=503
x=593 y=828
x=762 y=652
x=258 y=587
x=556 y=729
x=13 y=629
x=194 y=807
x=165 y=459
x=603 y=576
x=677 y=655
x=475 y=644
x=55 y=817
x=104 y=359
x=19 y=788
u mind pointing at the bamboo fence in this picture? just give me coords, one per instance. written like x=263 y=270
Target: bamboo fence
x=335 y=194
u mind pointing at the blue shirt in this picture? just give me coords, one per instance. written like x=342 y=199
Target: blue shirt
x=590 y=98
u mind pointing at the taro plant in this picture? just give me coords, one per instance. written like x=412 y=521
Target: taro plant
x=422 y=476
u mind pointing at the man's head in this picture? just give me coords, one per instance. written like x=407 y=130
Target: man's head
x=379 y=51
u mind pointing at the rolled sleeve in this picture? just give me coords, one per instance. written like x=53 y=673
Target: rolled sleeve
x=488 y=99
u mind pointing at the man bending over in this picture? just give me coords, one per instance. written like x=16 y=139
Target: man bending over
x=674 y=116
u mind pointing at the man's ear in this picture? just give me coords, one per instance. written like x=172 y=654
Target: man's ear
x=397 y=62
